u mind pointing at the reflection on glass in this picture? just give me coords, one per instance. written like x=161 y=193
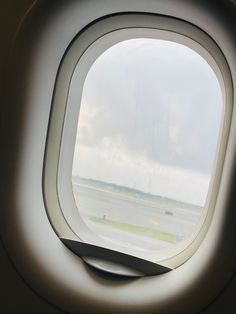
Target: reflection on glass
x=146 y=142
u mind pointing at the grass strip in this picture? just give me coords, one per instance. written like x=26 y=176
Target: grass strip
x=140 y=230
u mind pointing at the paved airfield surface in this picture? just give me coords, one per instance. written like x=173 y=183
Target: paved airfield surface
x=133 y=221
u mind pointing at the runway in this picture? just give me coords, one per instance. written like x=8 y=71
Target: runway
x=132 y=220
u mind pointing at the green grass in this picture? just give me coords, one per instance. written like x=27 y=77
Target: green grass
x=145 y=231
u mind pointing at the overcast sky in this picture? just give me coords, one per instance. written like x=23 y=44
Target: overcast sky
x=149 y=119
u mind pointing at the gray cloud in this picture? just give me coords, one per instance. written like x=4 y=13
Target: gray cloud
x=154 y=99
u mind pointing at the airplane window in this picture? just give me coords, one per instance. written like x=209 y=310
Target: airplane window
x=129 y=129
x=146 y=144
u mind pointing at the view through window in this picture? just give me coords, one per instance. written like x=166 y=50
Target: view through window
x=146 y=142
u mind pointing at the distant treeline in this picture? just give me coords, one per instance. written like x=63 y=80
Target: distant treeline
x=132 y=192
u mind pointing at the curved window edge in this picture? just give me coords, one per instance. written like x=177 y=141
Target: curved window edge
x=58 y=161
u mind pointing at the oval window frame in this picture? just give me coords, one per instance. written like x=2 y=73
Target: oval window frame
x=77 y=61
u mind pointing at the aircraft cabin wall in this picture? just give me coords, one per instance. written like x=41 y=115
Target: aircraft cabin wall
x=17 y=296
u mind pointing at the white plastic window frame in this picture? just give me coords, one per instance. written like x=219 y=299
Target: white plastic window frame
x=84 y=50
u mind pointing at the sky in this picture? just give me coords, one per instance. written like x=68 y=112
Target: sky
x=149 y=119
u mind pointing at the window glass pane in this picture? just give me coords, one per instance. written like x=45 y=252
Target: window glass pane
x=146 y=142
